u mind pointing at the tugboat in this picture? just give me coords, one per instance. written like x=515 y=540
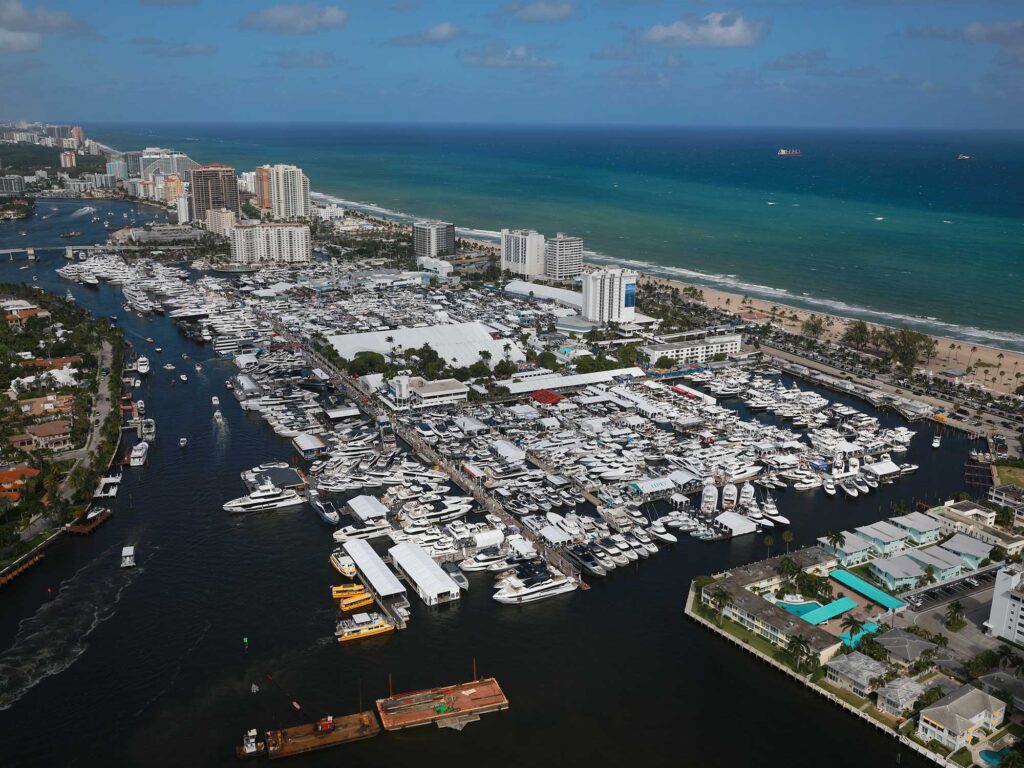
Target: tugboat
x=250 y=746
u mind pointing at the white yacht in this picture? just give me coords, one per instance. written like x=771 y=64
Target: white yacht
x=265 y=497
x=142 y=365
x=138 y=454
x=215 y=401
x=937 y=441
x=128 y=557
x=518 y=591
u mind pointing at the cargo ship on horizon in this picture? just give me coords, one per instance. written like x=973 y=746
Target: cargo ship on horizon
x=789 y=152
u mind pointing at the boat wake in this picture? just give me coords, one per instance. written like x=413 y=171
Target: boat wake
x=1007 y=339
x=84 y=211
x=50 y=641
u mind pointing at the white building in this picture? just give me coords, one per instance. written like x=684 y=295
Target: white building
x=699 y=350
x=12 y=185
x=155 y=160
x=330 y=212
x=522 y=252
x=417 y=392
x=220 y=221
x=433 y=238
x=609 y=295
x=67 y=160
x=181 y=206
x=1006 y=616
x=439 y=267
x=563 y=257
x=289 y=192
x=247 y=182
x=270 y=243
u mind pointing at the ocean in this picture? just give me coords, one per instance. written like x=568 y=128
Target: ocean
x=886 y=226
x=155 y=666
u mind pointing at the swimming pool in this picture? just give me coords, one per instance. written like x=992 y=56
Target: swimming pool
x=799 y=609
x=868 y=628
x=993 y=758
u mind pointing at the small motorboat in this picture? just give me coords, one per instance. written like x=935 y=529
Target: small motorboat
x=183 y=377
x=182 y=441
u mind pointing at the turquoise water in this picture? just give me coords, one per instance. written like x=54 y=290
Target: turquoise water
x=993 y=758
x=869 y=628
x=799 y=609
x=887 y=226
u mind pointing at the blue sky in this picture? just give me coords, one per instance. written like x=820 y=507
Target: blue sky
x=877 y=63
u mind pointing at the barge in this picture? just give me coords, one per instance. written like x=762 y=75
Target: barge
x=326 y=732
x=450 y=706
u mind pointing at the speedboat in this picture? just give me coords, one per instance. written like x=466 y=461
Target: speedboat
x=138 y=454
x=936 y=441
x=830 y=486
x=849 y=488
x=482 y=560
x=266 y=497
x=182 y=441
x=215 y=400
x=183 y=377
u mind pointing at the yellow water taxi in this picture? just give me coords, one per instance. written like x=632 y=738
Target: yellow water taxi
x=355 y=600
x=344 y=590
x=343 y=564
x=363 y=625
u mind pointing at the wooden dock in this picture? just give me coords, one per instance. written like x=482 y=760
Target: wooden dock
x=16 y=571
x=451 y=706
x=312 y=736
x=85 y=528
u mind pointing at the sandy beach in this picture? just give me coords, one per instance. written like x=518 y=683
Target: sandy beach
x=987 y=362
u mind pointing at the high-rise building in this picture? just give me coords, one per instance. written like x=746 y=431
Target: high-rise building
x=213 y=186
x=67 y=160
x=118 y=167
x=220 y=221
x=78 y=135
x=433 y=238
x=270 y=243
x=247 y=182
x=59 y=131
x=154 y=160
x=174 y=187
x=1006 y=615
x=289 y=192
x=609 y=295
x=263 y=187
x=182 y=209
x=522 y=252
x=563 y=257
x=134 y=162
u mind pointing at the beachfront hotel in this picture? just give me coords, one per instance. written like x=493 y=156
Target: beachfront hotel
x=522 y=252
x=563 y=257
x=609 y=295
x=433 y=238
x=289 y=192
x=270 y=244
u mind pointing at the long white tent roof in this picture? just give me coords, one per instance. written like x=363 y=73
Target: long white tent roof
x=429 y=577
x=372 y=569
x=459 y=344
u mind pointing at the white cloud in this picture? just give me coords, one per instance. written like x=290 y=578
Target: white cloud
x=1005 y=33
x=296 y=19
x=439 y=34
x=715 y=30
x=540 y=11
x=22 y=29
x=498 y=55
x=17 y=42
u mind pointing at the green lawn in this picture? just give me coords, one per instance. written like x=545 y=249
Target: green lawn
x=1013 y=475
x=848 y=696
x=881 y=717
x=962 y=757
x=744 y=635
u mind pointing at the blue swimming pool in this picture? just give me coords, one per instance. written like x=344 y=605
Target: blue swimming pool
x=799 y=609
x=869 y=628
x=993 y=758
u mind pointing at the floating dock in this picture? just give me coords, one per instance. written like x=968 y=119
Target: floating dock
x=324 y=733
x=452 y=706
x=84 y=528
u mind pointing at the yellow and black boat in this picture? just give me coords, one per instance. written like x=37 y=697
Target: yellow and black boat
x=363 y=625
x=344 y=590
x=355 y=600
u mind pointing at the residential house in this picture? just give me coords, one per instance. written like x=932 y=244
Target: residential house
x=12 y=480
x=897 y=573
x=954 y=719
x=1005 y=686
x=19 y=318
x=944 y=564
x=923 y=529
x=969 y=549
x=904 y=648
x=886 y=538
x=895 y=697
x=47 y=405
x=854 y=672
x=51 y=435
x=853 y=551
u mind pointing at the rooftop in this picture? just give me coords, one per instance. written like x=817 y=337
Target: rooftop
x=955 y=711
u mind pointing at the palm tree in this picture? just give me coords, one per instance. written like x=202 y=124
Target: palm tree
x=940 y=640
x=769 y=541
x=1012 y=759
x=852 y=625
x=787 y=536
x=973 y=350
x=955 y=614
x=799 y=649
x=835 y=540
x=1004 y=653
x=788 y=567
x=721 y=600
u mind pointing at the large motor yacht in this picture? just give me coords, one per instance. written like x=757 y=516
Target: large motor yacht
x=265 y=497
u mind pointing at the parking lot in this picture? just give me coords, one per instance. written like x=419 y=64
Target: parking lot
x=965 y=586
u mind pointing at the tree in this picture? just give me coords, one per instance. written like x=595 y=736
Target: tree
x=813 y=326
x=954 y=617
x=721 y=600
x=788 y=567
x=852 y=626
x=835 y=540
x=940 y=640
x=665 y=363
x=787 y=536
x=769 y=542
x=799 y=649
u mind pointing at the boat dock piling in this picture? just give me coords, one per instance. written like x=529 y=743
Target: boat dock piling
x=450 y=706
